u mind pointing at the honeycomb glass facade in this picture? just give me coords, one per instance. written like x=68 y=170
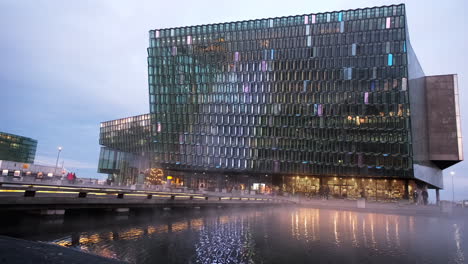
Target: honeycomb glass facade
x=293 y=103
x=127 y=142
x=17 y=148
x=322 y=94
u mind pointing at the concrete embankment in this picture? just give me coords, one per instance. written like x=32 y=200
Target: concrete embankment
x=400 y=207
x=19 y=251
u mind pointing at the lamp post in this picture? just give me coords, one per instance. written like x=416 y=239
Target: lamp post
x=453 y=188
x=58 y=155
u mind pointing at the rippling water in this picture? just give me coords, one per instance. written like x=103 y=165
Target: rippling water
x=295 y=235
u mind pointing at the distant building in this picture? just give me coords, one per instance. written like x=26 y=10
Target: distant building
x=17 y=148
x=332 y=101
x=20 y=169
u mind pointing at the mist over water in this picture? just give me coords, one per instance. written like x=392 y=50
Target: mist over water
x=271 y=235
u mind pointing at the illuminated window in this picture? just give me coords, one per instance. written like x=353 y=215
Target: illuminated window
x=388 y=22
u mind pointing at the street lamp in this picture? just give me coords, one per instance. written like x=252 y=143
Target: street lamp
x=453 y=188
x=58 y=155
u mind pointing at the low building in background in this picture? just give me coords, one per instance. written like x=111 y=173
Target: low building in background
x=333 y=103
x=17 y=156
x=20 y=169
x=17 y=148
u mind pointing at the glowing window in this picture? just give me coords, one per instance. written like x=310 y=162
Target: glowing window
x=353 y=49
x=246 y=88
x=404 y=84
x=159 y=127
x=390 y=59
x=264 y=66
x=348 y=73
x=389 y=22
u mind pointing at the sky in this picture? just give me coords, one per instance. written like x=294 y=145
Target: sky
x=66 y=66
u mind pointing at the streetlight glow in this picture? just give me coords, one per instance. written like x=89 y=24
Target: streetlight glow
x=58 y=155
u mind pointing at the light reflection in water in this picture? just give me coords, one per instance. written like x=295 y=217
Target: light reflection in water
x=372 y=230
x=353 y=223
x=397 y=233
x=364 y=235
x=276 y=236
x=335 y=231
x=306 y=233
x=460 y=256
x=225 y=242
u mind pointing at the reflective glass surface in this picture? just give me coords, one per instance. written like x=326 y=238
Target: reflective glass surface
x=17 y=148
x=317 y=94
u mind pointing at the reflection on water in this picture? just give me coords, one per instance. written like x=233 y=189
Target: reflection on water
x=225 y=241
x=460 y=258
x=269 y=236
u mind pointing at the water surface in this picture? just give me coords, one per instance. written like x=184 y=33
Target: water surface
x=271 y=235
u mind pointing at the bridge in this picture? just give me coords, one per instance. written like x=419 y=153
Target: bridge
x=55 y=197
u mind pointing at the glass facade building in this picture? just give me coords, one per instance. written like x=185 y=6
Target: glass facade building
x=126 y=142
x=17 y=148
x=290 y=103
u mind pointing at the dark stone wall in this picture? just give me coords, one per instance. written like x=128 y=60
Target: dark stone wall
x=435 y=125
x=443 y=120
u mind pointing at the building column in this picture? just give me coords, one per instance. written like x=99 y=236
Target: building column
x=406 y=195
x=437 y=196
